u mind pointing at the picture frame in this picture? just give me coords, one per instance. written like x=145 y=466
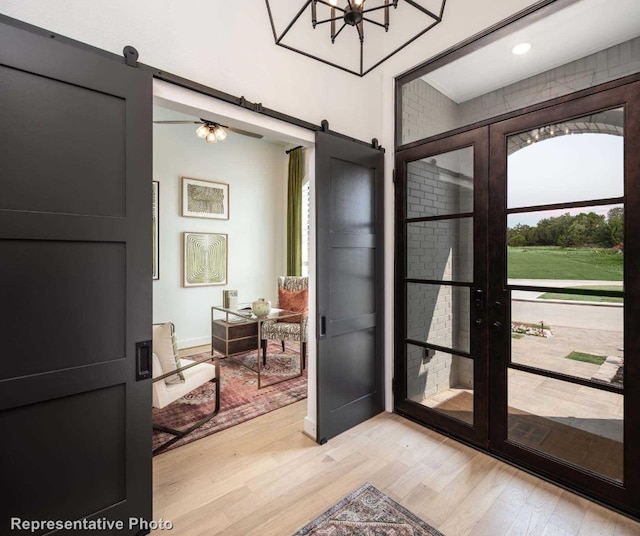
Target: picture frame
x=205 y=259
x=205 y=199
x=155 y=237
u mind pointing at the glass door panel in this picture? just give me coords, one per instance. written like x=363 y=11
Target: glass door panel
x=562 y=203
x=444 y=281
x=565 y=259
x=580 y=425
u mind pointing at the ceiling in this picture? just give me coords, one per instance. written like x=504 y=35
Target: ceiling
x=579 y=30
x=161 y=113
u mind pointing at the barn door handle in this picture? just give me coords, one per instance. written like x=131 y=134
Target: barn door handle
x=322 y=328
x=143 y=360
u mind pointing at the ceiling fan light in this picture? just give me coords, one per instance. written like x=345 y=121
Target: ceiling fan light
x=202 y=131
x=211 y=138
x=219 y=132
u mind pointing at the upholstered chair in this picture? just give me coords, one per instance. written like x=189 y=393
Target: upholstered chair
x=293 y=292
x=174 y=377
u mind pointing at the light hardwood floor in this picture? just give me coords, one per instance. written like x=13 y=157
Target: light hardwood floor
x=264 y=477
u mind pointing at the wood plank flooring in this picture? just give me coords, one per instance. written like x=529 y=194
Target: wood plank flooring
x=264 y=477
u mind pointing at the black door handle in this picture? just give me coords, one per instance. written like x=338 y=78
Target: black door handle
x=497 y=324
x=143 y=360
x=322 y=328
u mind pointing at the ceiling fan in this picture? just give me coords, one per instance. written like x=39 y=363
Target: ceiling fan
x=210 y=131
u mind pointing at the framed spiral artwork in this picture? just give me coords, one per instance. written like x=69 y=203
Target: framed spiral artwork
x=205 y=259
x=205 y=199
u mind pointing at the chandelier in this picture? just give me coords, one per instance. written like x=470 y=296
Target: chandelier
x=295 y=31
x=352 y=14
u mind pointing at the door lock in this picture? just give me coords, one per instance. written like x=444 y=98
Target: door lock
x=479 y=299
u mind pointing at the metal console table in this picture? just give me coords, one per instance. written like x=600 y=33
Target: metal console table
x=238 y=331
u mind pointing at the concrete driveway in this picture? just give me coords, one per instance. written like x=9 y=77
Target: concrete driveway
x=526 y=307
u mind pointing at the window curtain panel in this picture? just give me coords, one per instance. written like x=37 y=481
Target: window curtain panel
x=294 y=213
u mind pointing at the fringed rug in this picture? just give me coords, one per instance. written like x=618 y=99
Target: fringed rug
x=240 y=398
x=367 y=512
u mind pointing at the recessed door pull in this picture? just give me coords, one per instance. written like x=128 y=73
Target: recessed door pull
x=497 y=324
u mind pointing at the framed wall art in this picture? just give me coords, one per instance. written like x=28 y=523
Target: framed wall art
x=155 y=218
x=205 y=199
x=205 y=259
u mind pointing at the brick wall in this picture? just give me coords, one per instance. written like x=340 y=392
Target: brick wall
x=438 y=250
x=609 y=64
x=426 y=111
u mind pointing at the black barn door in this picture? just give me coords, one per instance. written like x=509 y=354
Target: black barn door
x=350 y=299
x=75 y=284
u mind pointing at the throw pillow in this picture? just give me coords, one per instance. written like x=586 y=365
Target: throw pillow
x=165 y=347
x=293 y=300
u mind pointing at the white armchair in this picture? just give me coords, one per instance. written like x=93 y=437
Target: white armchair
x=177 y=378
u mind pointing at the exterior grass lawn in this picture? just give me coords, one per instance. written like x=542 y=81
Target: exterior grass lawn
x=587 y=358
x=580 y=297
x=564 y=263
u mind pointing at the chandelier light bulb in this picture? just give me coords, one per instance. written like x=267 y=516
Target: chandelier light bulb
x=211 y=138
x=202 y=131
x=219 y=133
x=358 y=2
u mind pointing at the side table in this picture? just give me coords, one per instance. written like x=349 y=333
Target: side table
x=234 y=337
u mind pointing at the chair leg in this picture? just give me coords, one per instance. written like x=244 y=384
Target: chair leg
x=179 y=434
x=282 y=345
x=304 y=355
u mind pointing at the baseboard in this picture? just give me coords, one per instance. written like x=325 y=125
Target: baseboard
x=310 y=428
x=190 y=343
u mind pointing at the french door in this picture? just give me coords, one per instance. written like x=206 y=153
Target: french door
x=539 y=275
x=441 y=263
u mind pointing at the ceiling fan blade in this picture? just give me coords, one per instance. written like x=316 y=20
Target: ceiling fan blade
x=245 y=132
x=178 y=122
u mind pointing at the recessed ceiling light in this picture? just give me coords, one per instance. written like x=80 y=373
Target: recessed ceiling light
x=521 y=48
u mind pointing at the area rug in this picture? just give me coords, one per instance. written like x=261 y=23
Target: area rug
x=240 y=398
x=368 y=512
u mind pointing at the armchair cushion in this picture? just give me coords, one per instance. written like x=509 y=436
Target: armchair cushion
x=164 y=394
x=293 y=300
x=165 y=348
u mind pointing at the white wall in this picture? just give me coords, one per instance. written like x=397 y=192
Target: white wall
x=255 y=172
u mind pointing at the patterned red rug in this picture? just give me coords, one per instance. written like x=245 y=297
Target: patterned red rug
x=240 y=398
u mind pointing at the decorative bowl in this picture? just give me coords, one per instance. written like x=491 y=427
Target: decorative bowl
x=261 y=307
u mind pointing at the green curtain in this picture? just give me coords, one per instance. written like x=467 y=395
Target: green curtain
x=294 y=213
